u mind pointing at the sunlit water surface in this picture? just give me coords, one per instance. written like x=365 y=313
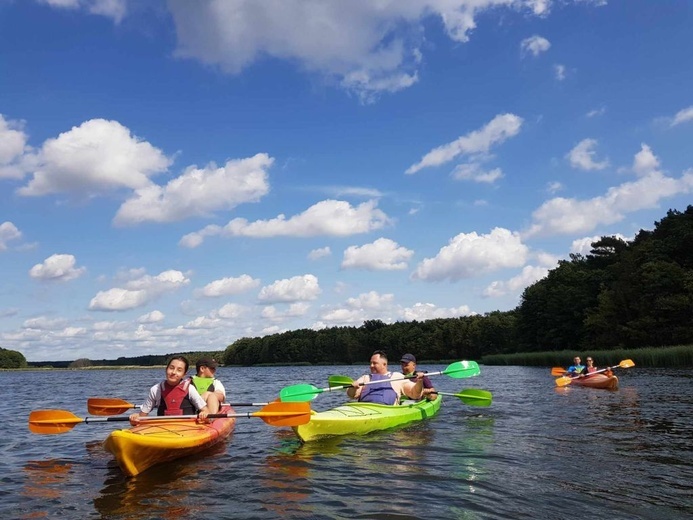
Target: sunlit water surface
x=537 y=452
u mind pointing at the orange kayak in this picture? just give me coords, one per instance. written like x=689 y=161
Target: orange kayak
x=153 y=442
x=596 y=381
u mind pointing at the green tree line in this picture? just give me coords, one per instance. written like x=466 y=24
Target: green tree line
x=623 y=294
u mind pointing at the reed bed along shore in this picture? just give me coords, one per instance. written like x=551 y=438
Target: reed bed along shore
x=680 y=356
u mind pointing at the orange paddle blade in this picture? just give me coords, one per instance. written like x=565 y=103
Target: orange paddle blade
x=52 y=421
x=108 y=406
x=558 y=371
x=284 y=414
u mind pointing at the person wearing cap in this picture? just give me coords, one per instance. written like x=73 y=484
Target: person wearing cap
x=408 y=363
x=393 y=385
x=210 y=388
x=175 y=395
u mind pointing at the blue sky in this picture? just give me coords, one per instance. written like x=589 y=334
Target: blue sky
x=177 y=175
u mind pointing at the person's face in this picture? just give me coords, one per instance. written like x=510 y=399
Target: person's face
x=175 y=372
x=378 y=364
x=576 y=360
x=408 y=367
x=589 y=361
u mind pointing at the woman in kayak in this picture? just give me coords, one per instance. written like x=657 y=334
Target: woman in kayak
x=590 y=366
x=174 y=395
x=392 y=387
x=207 y=385
x=590 y=369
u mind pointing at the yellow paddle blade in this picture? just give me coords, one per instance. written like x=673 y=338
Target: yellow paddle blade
x=108 y=406
x=626 y=363
x=563 y=381
x=52 y=421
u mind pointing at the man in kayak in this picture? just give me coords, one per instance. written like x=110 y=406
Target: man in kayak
x=393 y=385
x=174 y=395
x=576 y=369
x=408 y=363
x=208 y=386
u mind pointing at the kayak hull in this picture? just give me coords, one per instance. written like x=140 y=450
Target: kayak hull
x=360 y=418
x=597 y=381
x=138 y=448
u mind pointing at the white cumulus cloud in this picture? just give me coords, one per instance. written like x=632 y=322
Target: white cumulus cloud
x=328 y=218
x=535 y=45
x=8 y=231
x=199 y=192
x=496 y=131
x=97 y=157
x=468 y=255
x=138 y=292
x=381 y=255
x=230 y=285
x=298 y=288
x=582 y=156
x=57 y=268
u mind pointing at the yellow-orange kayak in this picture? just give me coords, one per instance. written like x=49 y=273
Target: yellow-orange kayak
x=597 y=381
x=153 y=442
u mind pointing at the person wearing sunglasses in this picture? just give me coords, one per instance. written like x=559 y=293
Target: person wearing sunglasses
x=589 y=368
x=393 y=385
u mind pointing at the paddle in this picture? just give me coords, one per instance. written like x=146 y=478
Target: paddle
x=305 y=392
x=61 y=421
x=472 y=396
x=558 y=371
x=114 y=406
x=565 y=380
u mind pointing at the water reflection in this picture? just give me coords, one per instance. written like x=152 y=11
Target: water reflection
x=44 y=479
x=160 y=492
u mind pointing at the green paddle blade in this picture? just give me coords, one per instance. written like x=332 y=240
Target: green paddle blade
x=299 y=393
x=475 y=397
x=334 y=381
x=462 y=369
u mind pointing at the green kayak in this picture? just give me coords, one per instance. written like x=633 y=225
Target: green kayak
x=358 y=418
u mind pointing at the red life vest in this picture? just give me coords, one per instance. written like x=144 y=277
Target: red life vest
x=175 y=400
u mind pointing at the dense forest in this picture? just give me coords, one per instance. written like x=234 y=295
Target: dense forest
x=623 y=294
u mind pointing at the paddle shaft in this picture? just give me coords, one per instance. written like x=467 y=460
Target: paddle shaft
x=413 y=376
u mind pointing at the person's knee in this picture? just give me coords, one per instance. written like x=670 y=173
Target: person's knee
x=212 y=402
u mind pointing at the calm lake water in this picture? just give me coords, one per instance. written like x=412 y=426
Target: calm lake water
x=537 y=452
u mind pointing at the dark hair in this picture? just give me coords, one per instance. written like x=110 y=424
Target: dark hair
x=381 y=353
x=179 y=358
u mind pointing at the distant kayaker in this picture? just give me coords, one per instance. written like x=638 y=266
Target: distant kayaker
x=391 y=389
x=408 y=363
x=210 y=388
x=174 y=395
x=576 y=369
